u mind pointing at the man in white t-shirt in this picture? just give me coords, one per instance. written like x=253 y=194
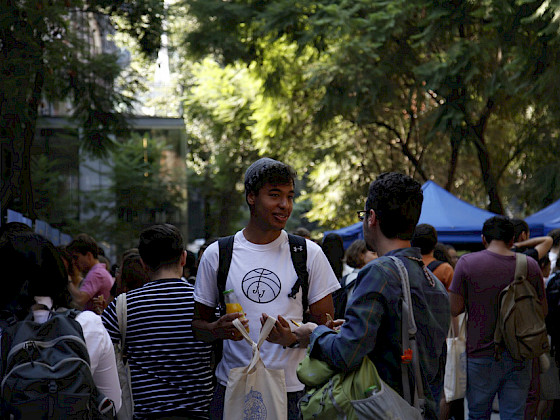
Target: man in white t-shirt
x=262 y=275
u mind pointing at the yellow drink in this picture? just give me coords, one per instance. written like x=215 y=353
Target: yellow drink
x=233 y=308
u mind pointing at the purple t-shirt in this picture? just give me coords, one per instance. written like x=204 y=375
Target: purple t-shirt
x=479 y=278
x=98 y=282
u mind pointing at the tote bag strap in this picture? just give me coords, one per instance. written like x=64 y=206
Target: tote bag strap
x=409 y=341
x=122 y=317
x=265 y=331
x=462 y=332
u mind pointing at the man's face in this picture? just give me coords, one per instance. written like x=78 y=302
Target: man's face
x=368 y=233
x=82 y=261
x=273 y=205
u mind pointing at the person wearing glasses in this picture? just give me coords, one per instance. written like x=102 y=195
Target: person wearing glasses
x=372 y=326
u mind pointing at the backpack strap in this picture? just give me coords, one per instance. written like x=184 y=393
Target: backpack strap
x=121 y=311
x=408 y=330
x=225 y=246
x=348 y=280
x=520 y=275
x=520 y=267
x=434 y=264
x=298 y=251
x=72 y=313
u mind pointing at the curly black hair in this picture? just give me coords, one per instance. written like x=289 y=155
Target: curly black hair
x=498 y=228
x=397 y=201
x=425 y=238
x=267 y=171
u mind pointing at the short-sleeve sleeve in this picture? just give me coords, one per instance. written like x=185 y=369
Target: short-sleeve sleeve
x=91 y=284
x=206 y=285
x=458 y=284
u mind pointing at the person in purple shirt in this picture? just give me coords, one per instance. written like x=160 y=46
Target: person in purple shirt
x=98 y=280
x=478 y=280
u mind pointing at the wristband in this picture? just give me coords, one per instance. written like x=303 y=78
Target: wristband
x=294 y=345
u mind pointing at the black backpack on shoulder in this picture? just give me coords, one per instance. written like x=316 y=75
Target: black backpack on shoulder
x=434 y=264
x=341 y=296
x=46 y=371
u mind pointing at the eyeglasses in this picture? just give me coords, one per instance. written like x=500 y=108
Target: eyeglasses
x=361 y=215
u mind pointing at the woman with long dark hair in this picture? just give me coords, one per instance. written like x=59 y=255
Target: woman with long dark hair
x=35 y=280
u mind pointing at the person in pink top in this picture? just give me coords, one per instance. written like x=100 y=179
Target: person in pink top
x=97 y=281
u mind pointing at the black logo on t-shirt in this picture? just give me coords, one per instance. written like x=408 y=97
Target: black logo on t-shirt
x=261 y=285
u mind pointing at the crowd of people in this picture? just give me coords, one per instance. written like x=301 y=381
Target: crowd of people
x=181 y=342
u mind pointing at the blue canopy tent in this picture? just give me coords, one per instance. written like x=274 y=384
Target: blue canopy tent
x=456 y=221
x=544 y=220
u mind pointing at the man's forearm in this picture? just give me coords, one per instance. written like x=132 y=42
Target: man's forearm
x=542 y=244
x=203 y=330
x=80 y=298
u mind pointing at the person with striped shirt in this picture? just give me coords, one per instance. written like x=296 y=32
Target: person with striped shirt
x=170 y=369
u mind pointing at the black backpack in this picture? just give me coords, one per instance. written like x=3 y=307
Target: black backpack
x=46 y=371
x=434 y=264
x=341 y=296
x=298 y=252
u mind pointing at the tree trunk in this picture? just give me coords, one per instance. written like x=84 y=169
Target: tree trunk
x=30 y=127
x=18 y=188
x=455 y=141
x=490 y=181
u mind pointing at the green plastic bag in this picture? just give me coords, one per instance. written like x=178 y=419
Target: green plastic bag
x=329 y=394
x=357 y=395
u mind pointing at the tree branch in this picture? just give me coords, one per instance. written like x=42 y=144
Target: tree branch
x=404 y=148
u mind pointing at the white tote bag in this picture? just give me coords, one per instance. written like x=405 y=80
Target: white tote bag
x=255 y=391
x=455 y=379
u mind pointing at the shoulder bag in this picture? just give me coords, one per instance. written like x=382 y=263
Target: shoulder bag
x=127 y=408
x=361 y=394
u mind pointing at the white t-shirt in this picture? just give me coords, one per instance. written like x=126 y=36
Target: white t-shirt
x=262 y=276
x=100 y=350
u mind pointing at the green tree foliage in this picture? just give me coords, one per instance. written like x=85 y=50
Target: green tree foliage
x=218 y=115
x=53 y=202
x=49 y=51
x=145 y=189
x=445 y=85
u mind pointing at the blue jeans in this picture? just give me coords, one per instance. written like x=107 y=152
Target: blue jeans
x=217 y=404
x=508 y=378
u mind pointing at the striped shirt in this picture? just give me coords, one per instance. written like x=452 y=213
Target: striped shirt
x=170 y=369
